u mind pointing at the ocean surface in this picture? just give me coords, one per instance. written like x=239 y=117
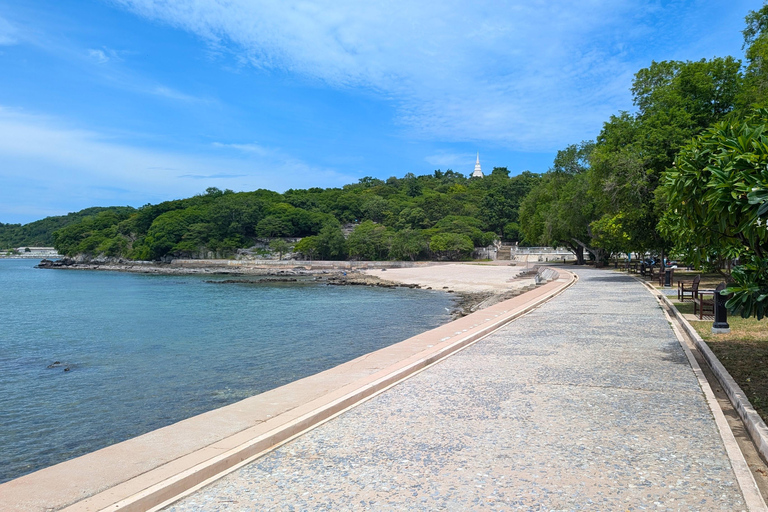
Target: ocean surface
x=90 y=358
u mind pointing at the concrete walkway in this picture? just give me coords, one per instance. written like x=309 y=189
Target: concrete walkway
x=587 y=403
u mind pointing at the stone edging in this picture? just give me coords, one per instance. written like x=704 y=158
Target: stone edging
x=754 y=423
x=154 y=488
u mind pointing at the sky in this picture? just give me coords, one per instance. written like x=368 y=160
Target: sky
x=129 y=102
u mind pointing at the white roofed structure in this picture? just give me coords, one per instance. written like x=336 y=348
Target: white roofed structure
x=477 y=173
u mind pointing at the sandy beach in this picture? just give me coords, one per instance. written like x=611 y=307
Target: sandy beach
x=459 y=277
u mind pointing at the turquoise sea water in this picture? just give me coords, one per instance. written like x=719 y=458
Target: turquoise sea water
x=145 y=351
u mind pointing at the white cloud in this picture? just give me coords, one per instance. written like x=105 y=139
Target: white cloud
x=99 y=56
x=447 y=160
x=7 y=33
x=527 y=74
x=245 y=148
x=44 y=162
x=173 y=94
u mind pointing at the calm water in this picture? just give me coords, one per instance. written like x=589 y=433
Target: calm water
x=146 y=351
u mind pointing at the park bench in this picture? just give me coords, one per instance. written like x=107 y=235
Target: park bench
x=646 y=270
x=700 y=299
x=688 y=288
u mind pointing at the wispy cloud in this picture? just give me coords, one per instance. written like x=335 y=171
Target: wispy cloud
x=446 y=159
x=245 y=148
x=104 y=55
x=212 y=176
x=7 y=33
x=94 y=61
x=99 y=56
x=173 y=94
x=527 y=74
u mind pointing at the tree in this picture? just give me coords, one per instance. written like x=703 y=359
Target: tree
x=755 y=90
x=559 y=209
x=676 y=100
x=451 y=245
x=280 y=246
x=717 y=194
x=331 y=244
x=407 y=244
x=413 y=186
x=466 y=226
x=273 y=226
x=375 y=208
x=500 y=205
x=368 y=241
x=307 y=246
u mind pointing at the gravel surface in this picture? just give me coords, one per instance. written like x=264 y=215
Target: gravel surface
x=587 y=403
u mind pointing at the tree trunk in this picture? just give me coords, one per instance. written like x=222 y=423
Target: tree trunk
x=578 y=251
x=596 y=253
x=580 y=255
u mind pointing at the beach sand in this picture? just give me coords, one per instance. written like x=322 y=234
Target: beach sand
x=459 y=277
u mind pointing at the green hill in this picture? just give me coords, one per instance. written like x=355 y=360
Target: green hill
x=40 y=232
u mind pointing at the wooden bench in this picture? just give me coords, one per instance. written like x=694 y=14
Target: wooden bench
x=688 y=288
x=700 y=299
x=647 y=270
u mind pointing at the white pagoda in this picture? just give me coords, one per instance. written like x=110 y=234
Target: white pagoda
x=477 y=172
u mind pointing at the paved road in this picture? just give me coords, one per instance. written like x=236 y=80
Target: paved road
x=587 y=403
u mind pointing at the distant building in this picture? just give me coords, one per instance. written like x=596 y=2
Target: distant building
x=478 y=173
x=38 y=252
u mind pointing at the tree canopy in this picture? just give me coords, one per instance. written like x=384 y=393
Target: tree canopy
x=397 y=218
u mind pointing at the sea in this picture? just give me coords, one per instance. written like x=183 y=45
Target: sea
x=92 y=358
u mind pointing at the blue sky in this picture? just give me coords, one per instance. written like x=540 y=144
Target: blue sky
x=115 y=102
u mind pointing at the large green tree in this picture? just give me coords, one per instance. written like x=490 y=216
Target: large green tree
x=559 y=209
x=755 y=90
x=717 y=194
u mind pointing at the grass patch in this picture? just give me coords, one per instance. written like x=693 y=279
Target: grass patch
x=743 y=352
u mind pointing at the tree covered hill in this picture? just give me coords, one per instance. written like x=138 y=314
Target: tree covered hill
x=40 y=232
x=444 y=214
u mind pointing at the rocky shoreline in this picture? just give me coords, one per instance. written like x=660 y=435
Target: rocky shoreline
x=464 y=302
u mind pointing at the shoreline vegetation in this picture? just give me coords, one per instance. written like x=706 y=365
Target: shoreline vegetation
x=467 y=299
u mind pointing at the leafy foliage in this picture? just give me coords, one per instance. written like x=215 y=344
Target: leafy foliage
x=452 y=246
x=40 y=232
x=717 y=195
x=392 y=219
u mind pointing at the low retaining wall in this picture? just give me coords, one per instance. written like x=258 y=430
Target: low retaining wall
x=321 y=264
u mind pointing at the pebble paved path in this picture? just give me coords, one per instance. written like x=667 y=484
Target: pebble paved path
x=587 y=403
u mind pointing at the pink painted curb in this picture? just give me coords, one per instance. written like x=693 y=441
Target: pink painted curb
x=156 y=468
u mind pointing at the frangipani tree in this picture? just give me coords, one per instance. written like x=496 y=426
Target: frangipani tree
x=717 y=194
